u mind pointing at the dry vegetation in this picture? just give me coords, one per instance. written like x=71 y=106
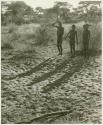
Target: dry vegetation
x=42 y=35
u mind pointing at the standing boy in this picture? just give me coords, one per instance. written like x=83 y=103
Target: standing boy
x=86 y=38
x=72 y=37
x=60 y=32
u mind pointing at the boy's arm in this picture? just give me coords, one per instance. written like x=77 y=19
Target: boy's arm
x=54 y=25
x=76 y=37
x=67 y=35
x=89 y=35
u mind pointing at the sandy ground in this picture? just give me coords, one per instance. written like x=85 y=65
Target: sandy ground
x=35 y=83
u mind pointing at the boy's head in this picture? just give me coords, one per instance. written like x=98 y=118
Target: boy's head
x=59 y=23
x=86 y=26
x=73 y=27
x=83 y=26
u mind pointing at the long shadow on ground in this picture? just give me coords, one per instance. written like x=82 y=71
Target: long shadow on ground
x=76 y=65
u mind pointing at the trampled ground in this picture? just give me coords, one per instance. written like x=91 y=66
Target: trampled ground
x=50 y=89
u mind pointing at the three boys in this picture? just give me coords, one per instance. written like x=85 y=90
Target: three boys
x=73 y=38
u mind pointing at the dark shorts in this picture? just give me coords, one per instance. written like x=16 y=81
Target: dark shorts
x=72 y=43
x=85 y=44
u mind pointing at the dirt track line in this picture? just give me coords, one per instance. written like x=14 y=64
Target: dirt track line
x=45 y=116
x=32 y=70
x=47 y=63
x=54 y=118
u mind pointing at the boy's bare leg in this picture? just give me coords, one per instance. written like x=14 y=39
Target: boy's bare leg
x=85 y=52
x=73 y=49
x=84 y=49
x=60 y=49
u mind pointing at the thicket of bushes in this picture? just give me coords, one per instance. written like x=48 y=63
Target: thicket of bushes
x=45 y=34
x=6 y=42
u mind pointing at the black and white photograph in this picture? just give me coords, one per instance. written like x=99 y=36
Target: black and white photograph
x=51 y=62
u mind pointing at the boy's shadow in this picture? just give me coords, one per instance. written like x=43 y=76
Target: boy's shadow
x=90 y=53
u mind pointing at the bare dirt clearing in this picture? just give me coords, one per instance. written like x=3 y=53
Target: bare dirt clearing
x=33 y=87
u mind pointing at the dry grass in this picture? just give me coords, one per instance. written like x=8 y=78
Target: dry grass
x=12 y=28
x=6 y=42
x=44 y=35
x=33 y=33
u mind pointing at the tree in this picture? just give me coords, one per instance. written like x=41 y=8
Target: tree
x=90 y=10
x=61 y=11
x=29 y=15
x=16 y=11
x=39 y=10
x=39 y=13
x=4 y=6
x=49 y=15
